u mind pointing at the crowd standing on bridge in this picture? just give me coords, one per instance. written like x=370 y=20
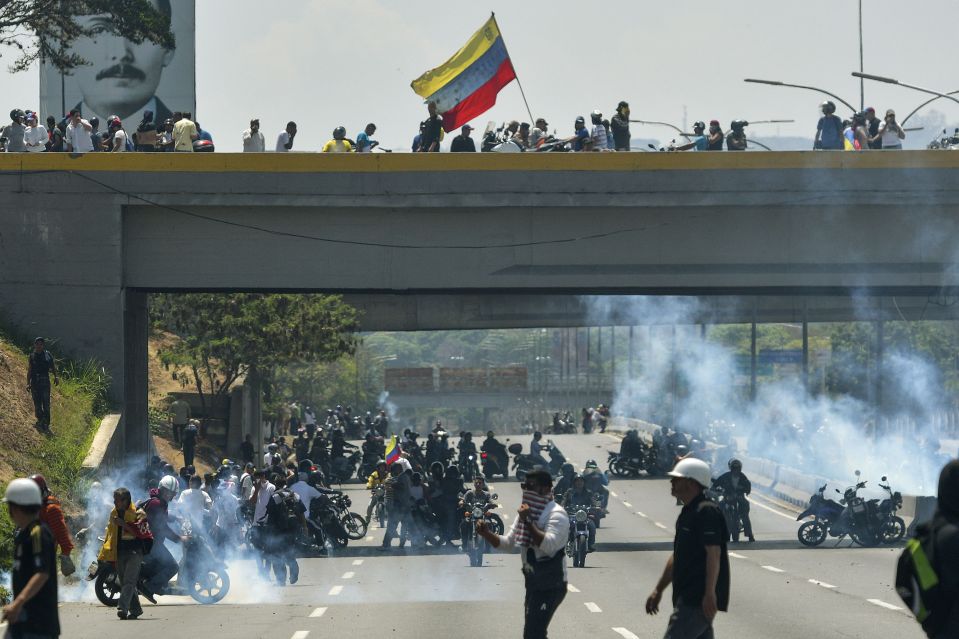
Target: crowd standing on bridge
x=180 y=133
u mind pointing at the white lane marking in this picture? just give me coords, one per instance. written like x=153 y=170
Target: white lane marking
x=640 y=514
x=627 y=504
x=369 y=538
x=613 y=494
x=335 y=590
x=300 y=634
x=613 y=437
x=319 y=612
x=821 y=583
x=660 y=525
x=572 y=588
x=883 y=604
x=348 y=575
x=736 y=555
x=357 y=562
x=626 y=634
x=773 y=569
x=592 y=607
x=772 y=510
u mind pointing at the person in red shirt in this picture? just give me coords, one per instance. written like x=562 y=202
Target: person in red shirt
x=51 y=514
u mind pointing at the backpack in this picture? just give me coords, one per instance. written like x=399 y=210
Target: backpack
x=917 y=581
x=283 y=511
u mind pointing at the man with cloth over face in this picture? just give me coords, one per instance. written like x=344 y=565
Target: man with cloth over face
x=699 y=566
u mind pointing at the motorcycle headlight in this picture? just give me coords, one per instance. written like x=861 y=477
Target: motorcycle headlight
x=581 y=516
x=477 y=513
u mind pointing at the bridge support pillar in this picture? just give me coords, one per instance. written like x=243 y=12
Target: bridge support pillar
x=805 y=346
x=136 y=381
x=752 y=356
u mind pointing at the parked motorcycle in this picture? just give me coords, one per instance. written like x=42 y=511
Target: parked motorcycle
x=200 y=575
x=945 y=141
x=868 y=522
x=625 y=467
x=825 y=513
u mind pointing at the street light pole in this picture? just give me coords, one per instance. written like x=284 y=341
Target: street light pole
x=777 y=83
x=862 y=82
x=879 y=78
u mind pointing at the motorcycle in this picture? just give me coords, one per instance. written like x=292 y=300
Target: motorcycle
x=945 y=141
x=200 y=574
x=563 y=426
x=624 y=467
x=494 y=465
x=731 y=507
x=825 y=512
x=893 y=528
x=578 y=544
x=343 y=468
x=325 y=525
x=868 y=522
x=354 y=523
x=379 y=505
x=524 y=463
x=474 y=545
x=367 y=466
x=468 y=466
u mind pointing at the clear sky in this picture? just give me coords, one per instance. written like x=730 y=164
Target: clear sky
x=325 y=63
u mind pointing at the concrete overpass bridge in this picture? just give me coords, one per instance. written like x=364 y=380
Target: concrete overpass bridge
x=471 y=240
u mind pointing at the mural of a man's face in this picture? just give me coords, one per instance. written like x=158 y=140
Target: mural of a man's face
x=121 y=76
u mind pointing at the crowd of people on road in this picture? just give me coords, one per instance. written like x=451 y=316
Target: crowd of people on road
x=180 y=133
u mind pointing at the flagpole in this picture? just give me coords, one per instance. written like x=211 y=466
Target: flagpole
x=518 y=83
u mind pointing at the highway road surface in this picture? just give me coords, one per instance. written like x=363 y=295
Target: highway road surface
x=779 y=589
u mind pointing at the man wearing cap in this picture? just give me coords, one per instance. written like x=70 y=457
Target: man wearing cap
x=35 y=136
x=538 y=135
x=463 y=143
x=580 y=139
x=14 y=132
x=40 y=366
x=253 y=140
x=619 y=125
x=872 y=127
x=33 y=611
x=698 y=568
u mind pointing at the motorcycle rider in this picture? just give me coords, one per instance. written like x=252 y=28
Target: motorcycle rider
x=496 y=450
x=735 y=485
x=536 y=448
x=565 y=482
x=159 y=567
x=587 y=419
x=581 y=497
x=51 y=514
x=597 y=481
x=480 y=496
x=631 y=447
x=466 y=447
x=377 y=478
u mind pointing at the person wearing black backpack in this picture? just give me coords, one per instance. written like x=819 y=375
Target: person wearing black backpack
x=284 y=516
x=927 y=577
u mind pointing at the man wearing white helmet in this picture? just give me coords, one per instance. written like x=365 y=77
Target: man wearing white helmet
x=698 y=569
x=33 y=611
x=160 y=564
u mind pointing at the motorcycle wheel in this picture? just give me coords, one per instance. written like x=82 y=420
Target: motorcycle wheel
x=355 y=526
x=579 y=560
x=616 y=469
x=107 y=588
x=893 y=530
x=496 y=524
x=812 y=533
x=210 y=587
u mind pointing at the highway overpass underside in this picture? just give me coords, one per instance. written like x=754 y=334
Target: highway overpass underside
x=430 y=242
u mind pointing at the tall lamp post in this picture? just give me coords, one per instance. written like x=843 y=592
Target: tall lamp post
x=777 y=83
x=880 y=78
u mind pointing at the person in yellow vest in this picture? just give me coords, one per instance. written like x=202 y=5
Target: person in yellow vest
x=124 y=547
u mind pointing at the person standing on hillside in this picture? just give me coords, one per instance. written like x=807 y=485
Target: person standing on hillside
x=190 y=434
x=38 y=383
x=179 y=417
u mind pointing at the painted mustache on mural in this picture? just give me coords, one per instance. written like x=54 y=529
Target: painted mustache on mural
x=123 y=71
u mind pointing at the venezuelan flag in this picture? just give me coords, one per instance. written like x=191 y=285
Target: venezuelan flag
x=466 y=85
x=392 y=451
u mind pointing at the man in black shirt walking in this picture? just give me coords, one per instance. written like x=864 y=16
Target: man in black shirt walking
x=463 y=143
x=33 y=611
x=38 y=382
x=699 y=566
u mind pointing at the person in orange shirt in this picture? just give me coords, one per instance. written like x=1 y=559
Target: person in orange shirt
x=51 y=514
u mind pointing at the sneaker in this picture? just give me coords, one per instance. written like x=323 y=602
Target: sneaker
x=752 y=539
x=121 y=614
x=134 y=615
x=148 y=594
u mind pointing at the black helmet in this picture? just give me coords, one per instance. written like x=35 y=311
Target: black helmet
x=699 y=125
x=682 y=449
x=738 y=125
x=567 y=468
x=580 y=120
x=828 y=107
x=339 y=132
x=735 y=464
x=16 y=114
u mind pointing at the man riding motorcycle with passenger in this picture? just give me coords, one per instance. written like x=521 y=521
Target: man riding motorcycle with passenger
x=577 y=497
x=734 y=485
x=159 y=567
x=536 y=448
x=564 y=483
x=597 y=481
x=632 y=446
x=497 y=450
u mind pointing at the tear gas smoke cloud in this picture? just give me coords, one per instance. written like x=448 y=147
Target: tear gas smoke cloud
x=247 y=585
x=389 y=406
x=815 y=433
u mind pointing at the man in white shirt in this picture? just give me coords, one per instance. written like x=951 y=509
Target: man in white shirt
x=253 y=140
x=305 y=492
x=35 y=136
x=284 y=141
x=78 y=134
x=544 y=561
x=118 y=137
x=193 y=503
x=262 y=492
x=246 y=482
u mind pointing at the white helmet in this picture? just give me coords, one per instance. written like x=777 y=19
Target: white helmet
x=23 y=492
x=169 y=483
x=693 y=469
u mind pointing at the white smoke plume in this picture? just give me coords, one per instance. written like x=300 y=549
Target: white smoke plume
x=815 y=433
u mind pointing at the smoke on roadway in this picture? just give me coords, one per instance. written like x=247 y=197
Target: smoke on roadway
x=813 y=432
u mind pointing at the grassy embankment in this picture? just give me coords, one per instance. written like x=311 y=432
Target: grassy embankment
x=77 y=405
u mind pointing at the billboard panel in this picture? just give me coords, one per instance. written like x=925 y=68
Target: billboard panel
x=126 y=79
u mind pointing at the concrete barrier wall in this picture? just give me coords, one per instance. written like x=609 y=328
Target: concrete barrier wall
x=107 y=448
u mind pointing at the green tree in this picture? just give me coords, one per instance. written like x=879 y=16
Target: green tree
x=224 y=337
x=47 y=29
